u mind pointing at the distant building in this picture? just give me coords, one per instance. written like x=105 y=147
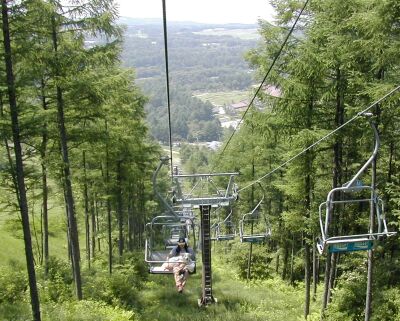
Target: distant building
x=239 y=107
x=272 y=91
x=214 y=145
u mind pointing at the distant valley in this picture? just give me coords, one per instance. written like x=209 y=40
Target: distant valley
x=207 y=74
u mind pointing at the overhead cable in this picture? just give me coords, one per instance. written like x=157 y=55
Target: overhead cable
x=167 y=83
x=323 y=138
x=262 y=83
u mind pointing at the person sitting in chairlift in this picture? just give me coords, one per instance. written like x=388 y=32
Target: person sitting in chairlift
x=181 y=271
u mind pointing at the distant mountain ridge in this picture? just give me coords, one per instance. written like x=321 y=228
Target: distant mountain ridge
x=129 y=21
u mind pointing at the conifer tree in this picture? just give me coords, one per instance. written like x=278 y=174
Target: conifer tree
x=19 y=166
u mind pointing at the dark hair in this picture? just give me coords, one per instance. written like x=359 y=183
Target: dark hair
x=178 y=248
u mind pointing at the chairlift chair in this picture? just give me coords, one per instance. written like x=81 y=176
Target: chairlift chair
x=162 y=234
x=226 y=230
x=353 y=192
x=204 y=191
x=252 y=229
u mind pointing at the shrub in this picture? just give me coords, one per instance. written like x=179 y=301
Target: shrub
x=16 y=311
x=60 y=269
x=13 y=285
x=59 y=284
x=119 y=288
x=261 y=260
x=86 y=310
x=386 y=306
x=348 y=302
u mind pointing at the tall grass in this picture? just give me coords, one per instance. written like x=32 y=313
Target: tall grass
x=271 y=300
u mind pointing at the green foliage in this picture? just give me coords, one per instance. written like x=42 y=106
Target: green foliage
x=86 y=310
x=14 y=227
x=260 y=262
x=386 y=305
x=195 y=159
x=348 y=298
x=58 y=286
x=13 y=285
x=16 y=311
x=122 y=287
x=59 y=269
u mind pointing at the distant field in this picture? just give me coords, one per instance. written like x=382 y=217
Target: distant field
x=245 y=34
x=224 y=97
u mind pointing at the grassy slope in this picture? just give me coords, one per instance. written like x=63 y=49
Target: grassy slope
x=11 y=236
x=12 y=249
x=271 y=300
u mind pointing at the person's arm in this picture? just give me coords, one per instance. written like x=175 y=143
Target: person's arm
x=172 y=253
x=193 y=255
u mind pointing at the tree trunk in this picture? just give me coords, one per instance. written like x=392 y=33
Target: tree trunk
x=86 y=201
x=131 y=226
x=20 y=176
x=93 y=225
x=142 y=218
x=277 y=260
x=67 y=177
x=308 y=192
x=249 y=259
x=97 y=225
x=34 y=231
x=315 y=271
x=368 y=299
x=307 y=279
x=120 y=212
x=326 y=285
x=285 y=261
x=332 y=275
x=109 y=220
x=9 y=157
x=45 y=189
x=336 y=181
x=292 y=263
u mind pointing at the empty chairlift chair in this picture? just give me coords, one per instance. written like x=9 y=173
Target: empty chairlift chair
x=226 y=230
x=254 y=227
x=358 y=203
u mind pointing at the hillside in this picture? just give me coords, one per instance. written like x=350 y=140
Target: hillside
x=203 y=59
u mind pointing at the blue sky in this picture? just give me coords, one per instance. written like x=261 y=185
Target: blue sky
x=208 y=11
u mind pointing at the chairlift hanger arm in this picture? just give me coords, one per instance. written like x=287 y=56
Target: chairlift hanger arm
x=373 y=155
x=163 y=161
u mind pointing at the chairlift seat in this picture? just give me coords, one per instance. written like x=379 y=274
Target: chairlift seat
x=227 y=237
x=253 y=238
x=158 y=270
x=348 y=244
